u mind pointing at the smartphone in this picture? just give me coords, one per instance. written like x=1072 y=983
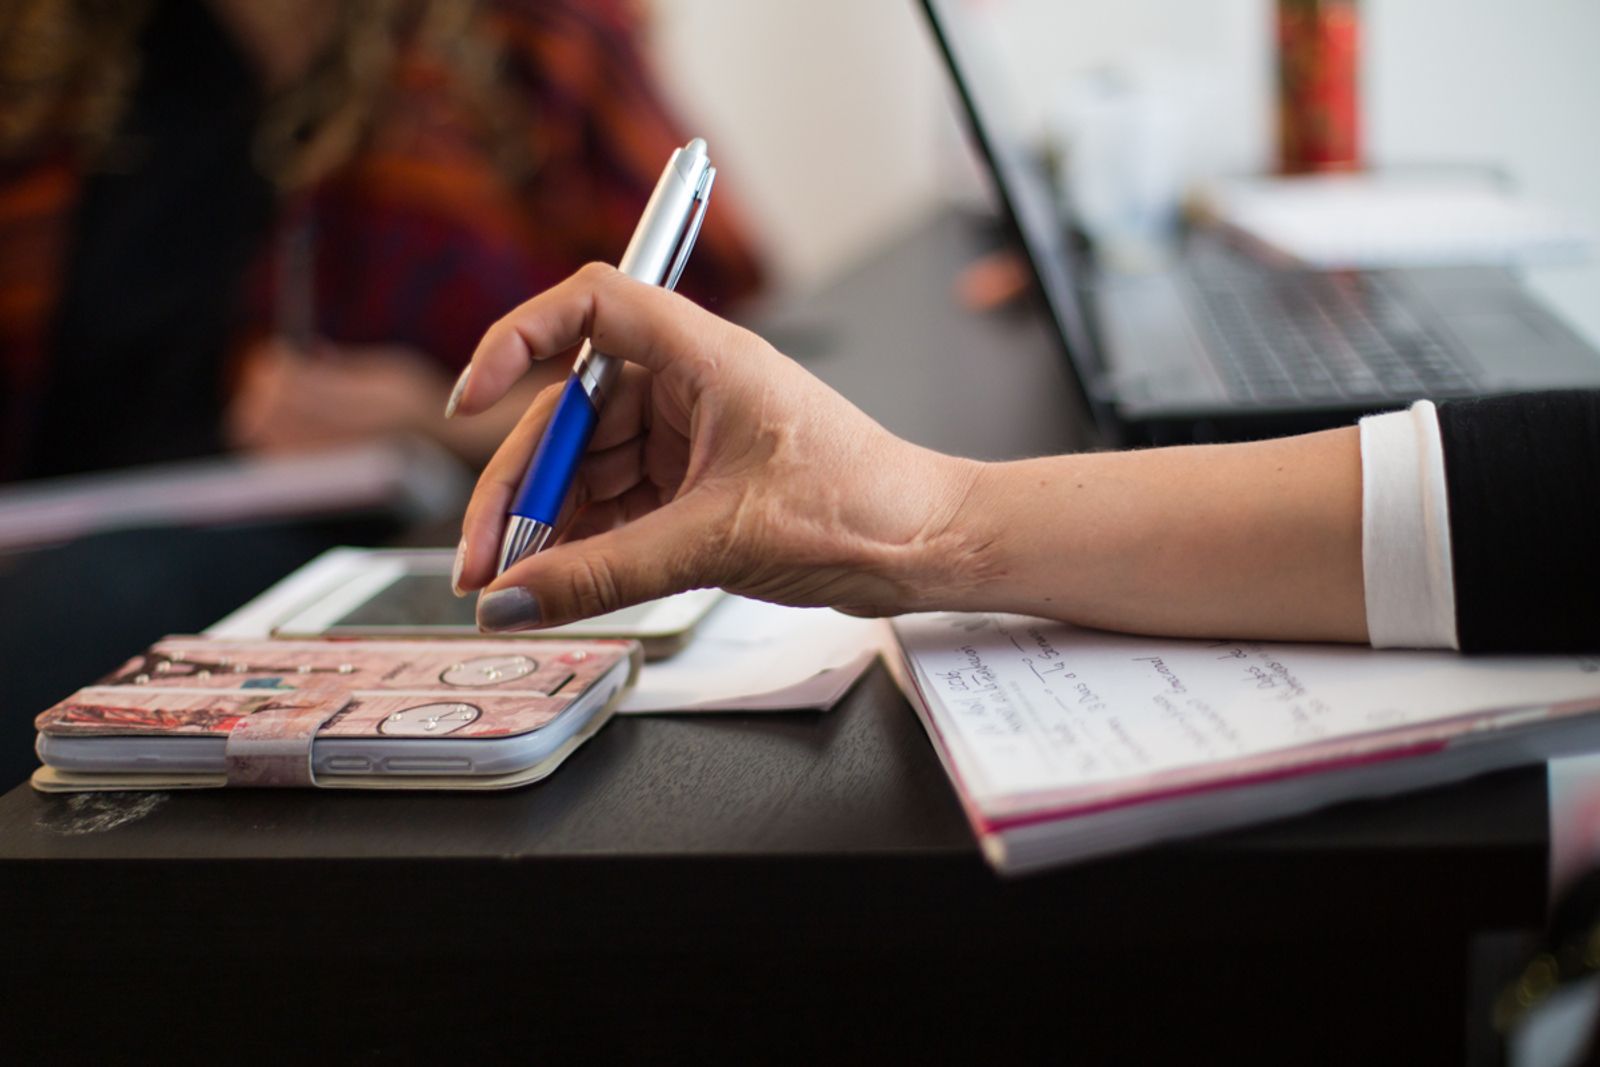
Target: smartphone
x=399 y=593
x=397 y=708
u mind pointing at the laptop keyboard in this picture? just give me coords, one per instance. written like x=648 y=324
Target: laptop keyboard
x=1298 y=336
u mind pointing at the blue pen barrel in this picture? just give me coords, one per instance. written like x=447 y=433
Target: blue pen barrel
x=556 y=462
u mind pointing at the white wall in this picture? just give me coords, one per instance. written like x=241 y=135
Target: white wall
x=832 y=118
x=1512 y=83
x=1217 y=51
x=820 y=114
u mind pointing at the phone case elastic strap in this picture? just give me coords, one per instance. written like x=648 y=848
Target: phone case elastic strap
x=272 y=747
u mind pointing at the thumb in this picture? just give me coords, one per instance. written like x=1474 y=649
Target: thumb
x=662 y=553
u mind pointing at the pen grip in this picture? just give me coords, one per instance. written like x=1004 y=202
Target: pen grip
x=556 y=462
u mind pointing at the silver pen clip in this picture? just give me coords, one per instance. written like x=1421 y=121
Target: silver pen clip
x=702 y=196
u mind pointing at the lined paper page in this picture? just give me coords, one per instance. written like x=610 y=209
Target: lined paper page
x=1027 y=707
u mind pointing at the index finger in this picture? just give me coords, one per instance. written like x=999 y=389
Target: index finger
x=624 y=418
x=623 y=317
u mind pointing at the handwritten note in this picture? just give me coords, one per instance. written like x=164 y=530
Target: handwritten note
x=1028 y=707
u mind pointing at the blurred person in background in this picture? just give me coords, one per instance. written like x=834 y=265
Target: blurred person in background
x=284 y=225
x=273 y=226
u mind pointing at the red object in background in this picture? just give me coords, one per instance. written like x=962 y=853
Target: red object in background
x=1319 y=105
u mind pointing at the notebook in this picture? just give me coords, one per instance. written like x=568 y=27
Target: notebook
x=1065 y=744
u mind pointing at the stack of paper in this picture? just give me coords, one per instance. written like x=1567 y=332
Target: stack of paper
x=1338 y=222
x=1067 y=743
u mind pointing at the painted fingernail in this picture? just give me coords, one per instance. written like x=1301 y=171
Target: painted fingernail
x=508 y=609
x=455 y=568
x=455 y=394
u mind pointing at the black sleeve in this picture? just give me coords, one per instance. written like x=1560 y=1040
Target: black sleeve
x=1523 y=476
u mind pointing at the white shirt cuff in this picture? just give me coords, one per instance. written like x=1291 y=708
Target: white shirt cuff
x=1405 y=531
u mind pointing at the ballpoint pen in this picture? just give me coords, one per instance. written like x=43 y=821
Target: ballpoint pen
x=657 y=253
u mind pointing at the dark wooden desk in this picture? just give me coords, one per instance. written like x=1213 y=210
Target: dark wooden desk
x=785 y=887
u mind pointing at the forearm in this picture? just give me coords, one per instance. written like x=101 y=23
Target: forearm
x=1250 y=540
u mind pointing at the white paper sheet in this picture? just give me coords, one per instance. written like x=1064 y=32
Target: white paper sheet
x=412 y=476
x=753 y=656
x=1345 y=221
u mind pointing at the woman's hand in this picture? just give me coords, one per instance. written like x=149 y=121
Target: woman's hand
x=292 y=401
x=717 y=461
x=289 y=401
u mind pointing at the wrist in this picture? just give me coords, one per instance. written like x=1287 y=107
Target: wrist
x=1004 y=546
x=954 y=558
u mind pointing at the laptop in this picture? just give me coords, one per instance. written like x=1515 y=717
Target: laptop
x=1226 y=346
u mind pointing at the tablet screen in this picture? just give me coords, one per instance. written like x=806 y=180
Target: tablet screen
x=413 y=601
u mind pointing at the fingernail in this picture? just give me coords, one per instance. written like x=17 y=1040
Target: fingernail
x=455 y=394
x=508 y=609
x=455 y=568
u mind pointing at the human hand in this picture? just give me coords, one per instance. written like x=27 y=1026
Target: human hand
x=717 y=461
x=289 y=400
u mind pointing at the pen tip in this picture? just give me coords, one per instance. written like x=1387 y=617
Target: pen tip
x=696 y=147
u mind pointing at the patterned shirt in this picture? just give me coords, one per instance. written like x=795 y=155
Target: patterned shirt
x=420 y=239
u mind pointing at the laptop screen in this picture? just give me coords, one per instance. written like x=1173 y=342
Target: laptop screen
x=1024 y=187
